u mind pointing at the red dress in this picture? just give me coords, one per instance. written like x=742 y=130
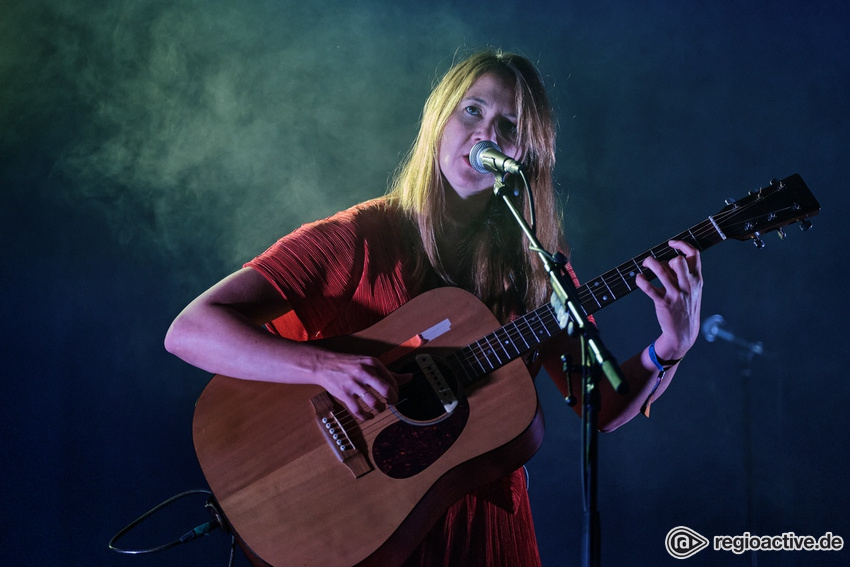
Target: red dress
x=345 y=273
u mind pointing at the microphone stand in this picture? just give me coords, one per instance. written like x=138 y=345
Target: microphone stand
x=746 y=352
x=745 y=359
x=596 y=361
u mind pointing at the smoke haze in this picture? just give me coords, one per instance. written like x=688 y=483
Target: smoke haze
x=200 y=116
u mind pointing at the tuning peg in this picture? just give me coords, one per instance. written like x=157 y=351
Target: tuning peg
x=730 y=201
x=805 y=225
x=758 y=241
x=781 y=233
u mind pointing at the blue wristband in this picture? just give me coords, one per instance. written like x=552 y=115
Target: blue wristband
x=660 y=364
x=662 y=369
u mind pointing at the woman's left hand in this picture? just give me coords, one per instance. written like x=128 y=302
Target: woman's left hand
x=677 y=300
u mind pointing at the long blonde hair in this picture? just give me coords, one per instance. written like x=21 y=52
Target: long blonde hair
x=501 y=271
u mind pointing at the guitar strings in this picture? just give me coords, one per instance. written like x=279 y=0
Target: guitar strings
x=346 y=420
x=662 y=252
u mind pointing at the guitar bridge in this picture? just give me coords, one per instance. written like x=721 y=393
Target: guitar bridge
x=338 y=436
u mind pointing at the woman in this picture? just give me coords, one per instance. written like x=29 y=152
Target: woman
x=439 y=225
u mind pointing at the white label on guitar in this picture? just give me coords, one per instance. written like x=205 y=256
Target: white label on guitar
x=440 y=328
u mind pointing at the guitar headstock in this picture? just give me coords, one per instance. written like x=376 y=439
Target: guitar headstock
x=781 y=203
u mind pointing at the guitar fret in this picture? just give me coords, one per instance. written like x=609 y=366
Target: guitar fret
x=592 y=293
x=551 y=327
x=529 y=334
x=596 y=292
x=539 y=335
x=495 y=339
x=694 y=241
x=661 y=255
x=491 y=349
x=611 y=291
x=483 y=347
x=505 y=341
x=515 y=326
x=471 y=357
x=529 y=323
x=624 y=280
x=478 y=361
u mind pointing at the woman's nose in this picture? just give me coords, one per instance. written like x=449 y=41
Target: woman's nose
x=486 y=131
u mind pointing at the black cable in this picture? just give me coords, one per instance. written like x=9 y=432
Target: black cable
x=196 y=532
x=531 y=208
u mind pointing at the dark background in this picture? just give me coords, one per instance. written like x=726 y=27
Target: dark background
x=149 y=148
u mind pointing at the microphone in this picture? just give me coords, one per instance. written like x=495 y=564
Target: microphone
x=486 y=156
x=712 y=329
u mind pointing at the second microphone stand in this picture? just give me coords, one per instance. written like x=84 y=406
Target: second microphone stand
x=596 y=361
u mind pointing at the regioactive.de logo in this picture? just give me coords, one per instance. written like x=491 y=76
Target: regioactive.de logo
x=683 y=542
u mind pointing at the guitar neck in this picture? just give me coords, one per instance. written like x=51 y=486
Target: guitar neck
x=532 y=329
x=769 y=208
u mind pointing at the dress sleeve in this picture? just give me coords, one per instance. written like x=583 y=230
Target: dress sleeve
x=315 y=268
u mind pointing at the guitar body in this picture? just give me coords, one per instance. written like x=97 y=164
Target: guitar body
x=289 y=497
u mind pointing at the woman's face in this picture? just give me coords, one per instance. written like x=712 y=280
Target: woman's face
x=486 y=112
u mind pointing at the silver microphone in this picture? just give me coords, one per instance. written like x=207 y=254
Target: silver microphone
x=486 y=156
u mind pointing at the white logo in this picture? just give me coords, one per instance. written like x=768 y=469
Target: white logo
x=683 y=542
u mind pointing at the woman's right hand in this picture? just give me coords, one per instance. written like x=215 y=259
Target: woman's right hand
x=362 y=383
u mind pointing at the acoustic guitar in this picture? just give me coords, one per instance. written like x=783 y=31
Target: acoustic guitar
x=302 y=483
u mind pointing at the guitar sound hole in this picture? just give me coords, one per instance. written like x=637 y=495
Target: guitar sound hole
x=418 y=401
x=425 y=429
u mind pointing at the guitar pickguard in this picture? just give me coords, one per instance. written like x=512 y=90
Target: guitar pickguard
x=405 y=449
x=432 y=413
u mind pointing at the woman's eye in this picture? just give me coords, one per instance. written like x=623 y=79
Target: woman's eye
x=508 y=128
x=473 y=110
